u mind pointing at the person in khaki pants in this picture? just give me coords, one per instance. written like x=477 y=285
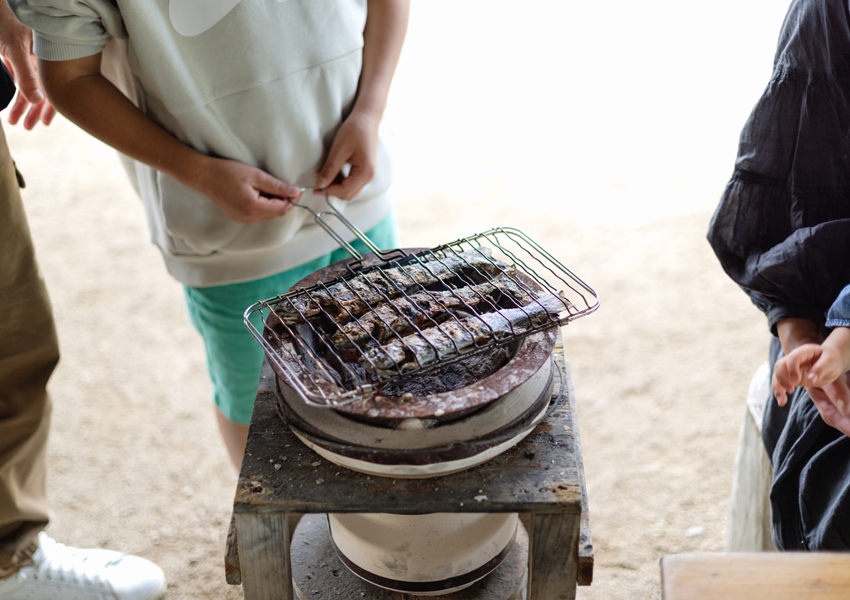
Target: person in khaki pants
x=32 y=565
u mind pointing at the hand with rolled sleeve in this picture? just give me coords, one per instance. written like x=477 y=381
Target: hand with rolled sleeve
x=16 y=50
x=822 y=370
x=821 y=367
x=356 y=142
x=244 y=193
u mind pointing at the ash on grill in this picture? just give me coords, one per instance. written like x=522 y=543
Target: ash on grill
x=428 y=322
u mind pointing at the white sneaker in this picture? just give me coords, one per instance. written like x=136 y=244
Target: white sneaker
x=62 y=573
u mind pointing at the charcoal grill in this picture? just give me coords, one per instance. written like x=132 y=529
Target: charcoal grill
x=465 y=305
x=434 y=361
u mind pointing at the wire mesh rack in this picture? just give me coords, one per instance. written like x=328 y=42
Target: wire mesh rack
x=397 y=315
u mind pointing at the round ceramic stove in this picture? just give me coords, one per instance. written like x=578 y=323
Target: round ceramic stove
x=418 y=432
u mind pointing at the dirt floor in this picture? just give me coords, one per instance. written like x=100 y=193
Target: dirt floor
x=606 y=134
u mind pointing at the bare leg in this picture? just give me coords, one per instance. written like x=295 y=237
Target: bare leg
x=235 y=435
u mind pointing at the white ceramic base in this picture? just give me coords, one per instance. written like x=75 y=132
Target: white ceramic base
x=420 y=471
x=425 y=555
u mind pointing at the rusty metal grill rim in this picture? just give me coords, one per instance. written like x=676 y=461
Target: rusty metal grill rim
x=557 y=398
x=326 y=389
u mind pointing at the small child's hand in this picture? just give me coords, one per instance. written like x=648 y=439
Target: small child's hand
x=793 y=369
x=356 y=143
x=828 y=367
x=244 y=193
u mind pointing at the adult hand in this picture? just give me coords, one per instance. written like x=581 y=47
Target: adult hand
x=833 y=403
x=246 y=194
x=356 y=143
x=16 y=50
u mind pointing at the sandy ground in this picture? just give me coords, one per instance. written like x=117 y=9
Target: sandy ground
x=606 y=132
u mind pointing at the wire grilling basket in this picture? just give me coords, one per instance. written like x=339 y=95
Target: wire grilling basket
x=397 y=316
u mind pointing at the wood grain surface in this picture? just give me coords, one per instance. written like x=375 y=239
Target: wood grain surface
x=756 y=576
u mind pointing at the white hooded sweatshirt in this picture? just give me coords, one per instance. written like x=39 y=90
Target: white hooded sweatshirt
x=263 y=82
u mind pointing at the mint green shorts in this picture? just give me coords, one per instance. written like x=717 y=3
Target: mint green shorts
x=234 y=357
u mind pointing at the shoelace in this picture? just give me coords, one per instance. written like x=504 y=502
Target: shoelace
x=57 y=561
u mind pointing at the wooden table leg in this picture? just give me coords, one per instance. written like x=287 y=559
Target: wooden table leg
x=552 y=555
x=264 y=560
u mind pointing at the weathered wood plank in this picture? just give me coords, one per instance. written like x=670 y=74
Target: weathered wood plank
x=748 y=528
x=527 y=520
x=264 y=561
x=553 y=568
x=585 y=544
x=538 y=475
x=231 y=555
x=756 y=576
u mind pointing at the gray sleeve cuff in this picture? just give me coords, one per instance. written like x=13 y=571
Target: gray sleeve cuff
x=47 y=50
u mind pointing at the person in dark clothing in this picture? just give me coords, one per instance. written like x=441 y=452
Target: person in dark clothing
x=782 y=232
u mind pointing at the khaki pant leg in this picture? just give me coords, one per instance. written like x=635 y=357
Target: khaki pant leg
x=28 y=354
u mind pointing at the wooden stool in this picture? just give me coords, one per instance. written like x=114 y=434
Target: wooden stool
x=542 y=479
x=756 y=576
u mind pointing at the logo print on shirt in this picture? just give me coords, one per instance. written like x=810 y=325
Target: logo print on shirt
x=193 y=17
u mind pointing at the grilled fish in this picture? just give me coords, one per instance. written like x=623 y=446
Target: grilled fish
x=403 y=315
x=354 y=296
x=455 y=336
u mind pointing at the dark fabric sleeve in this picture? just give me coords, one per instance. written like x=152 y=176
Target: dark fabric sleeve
x=7 y=86
x=782 y=228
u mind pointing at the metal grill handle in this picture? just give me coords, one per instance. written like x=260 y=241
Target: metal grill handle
x=319 y=218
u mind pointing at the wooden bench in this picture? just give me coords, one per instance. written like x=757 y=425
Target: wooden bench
x=542 y=479
x=756 y=576
x=748 y=525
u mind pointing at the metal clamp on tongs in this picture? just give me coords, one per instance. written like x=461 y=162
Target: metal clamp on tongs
x=319 y=218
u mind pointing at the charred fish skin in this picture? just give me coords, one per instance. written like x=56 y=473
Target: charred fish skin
x=355 y=295
x=404 y=315
x=453 y=337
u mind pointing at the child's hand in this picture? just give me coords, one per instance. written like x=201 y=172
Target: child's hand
x=246 y=194
x=828 y=367
x=356 y=143
x=792 y=370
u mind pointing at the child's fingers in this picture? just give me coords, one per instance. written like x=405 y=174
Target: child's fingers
x=274 y=187
x=351 y=185
x=793 y=365
x=265 y=198
x=25 y=74
x=19 y=108
x=333 y=165
x=779 y=383
x=34 y=115
x=826 y=369
x=47 y=114
x=782 y=376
